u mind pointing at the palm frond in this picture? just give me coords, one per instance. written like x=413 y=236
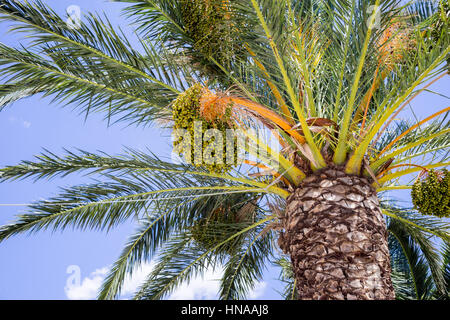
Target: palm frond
x=287 y=277
x=94 y=65
x=12 y=92
x=246 y=266
x=161 y=173
x=424 y=259
x=181 y=261
x=153 y=230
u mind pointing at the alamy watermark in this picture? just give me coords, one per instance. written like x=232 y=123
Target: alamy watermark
x=375 y=12
x=74 y=17
x=74 y=279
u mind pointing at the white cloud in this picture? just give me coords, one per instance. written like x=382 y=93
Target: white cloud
x=207 y=287
x=258 y=291
x=204 y=287
x=88 y=288
x=131 y=284
x=25 y=123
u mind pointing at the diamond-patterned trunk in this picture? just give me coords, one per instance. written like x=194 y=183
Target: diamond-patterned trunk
x=336 y=237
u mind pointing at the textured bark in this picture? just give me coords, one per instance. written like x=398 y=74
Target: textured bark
x=336 y=237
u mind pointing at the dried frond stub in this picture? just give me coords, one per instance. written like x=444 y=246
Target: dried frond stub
x=431 y=193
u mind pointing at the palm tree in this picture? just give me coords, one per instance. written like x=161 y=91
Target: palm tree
x=414 y=275
x=326 y=79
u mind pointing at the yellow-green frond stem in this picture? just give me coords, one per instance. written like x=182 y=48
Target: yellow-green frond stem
x=401 y=173
x=413 y=155
x=348 y=33
x=340 y=154
x=300 y=114
x=354 y=163
x=386 y=125
x=306 y=78
x=264 y=186
x=267 y=114
x=305 y=74
x=388 y=188
x=443 y=235
x=294 y=174
x=374 y=166
x=143 y=194
x=389 y=146
x=276 y=93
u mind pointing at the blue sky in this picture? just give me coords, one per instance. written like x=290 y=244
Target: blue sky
x=34 y=267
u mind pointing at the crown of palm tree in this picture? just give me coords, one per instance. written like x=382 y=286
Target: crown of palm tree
x=329 y=77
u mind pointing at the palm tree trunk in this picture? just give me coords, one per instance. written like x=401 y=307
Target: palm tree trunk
x=336 y=237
